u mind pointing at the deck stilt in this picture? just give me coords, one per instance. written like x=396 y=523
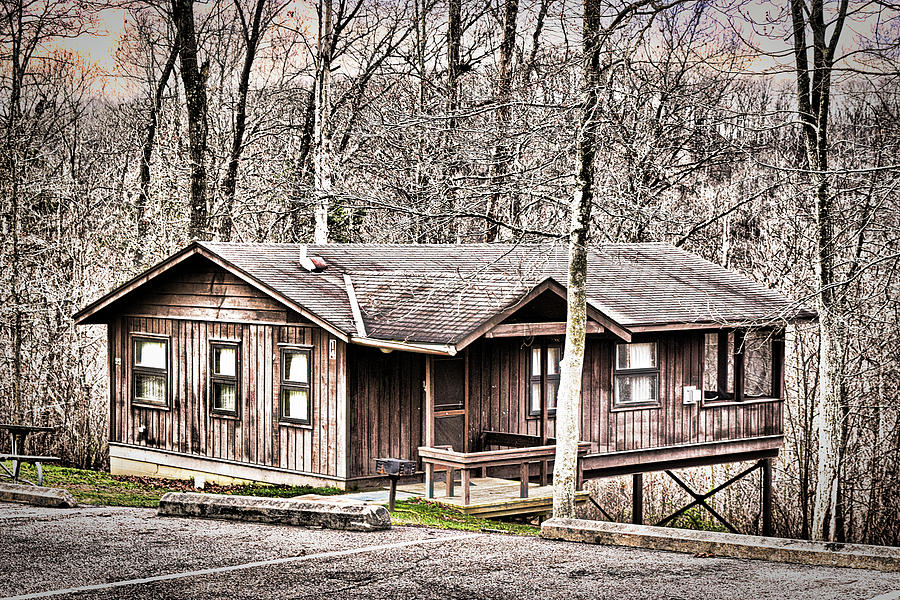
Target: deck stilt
x=767 y=526
x=637 y=498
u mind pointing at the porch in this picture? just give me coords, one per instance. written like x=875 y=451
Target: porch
x=492 y=497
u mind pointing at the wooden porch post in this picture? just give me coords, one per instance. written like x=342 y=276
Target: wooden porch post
x=544 y=436
x=767 y=527
x=429 y=402
x=637 y=498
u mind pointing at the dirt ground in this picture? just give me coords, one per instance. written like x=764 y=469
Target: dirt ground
x=97 y=552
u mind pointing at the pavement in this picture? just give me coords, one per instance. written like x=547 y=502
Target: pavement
x=103 y=552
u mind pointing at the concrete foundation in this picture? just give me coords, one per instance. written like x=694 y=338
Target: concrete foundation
x=857 y=556
x=318 y=512
x=36 y=495
x=148 y=462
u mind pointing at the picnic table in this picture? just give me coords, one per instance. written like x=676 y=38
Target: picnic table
x=18 y=434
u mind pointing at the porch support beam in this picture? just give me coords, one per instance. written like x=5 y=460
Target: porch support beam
x=767 y=497
x=533 y=329
x=637 y=498
x=429 y=402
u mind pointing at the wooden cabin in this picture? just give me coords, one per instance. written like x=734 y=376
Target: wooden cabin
x=303 y=364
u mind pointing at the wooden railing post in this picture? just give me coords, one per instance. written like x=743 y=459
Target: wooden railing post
x=429 y=479
x=523 y=480
x=465 y=486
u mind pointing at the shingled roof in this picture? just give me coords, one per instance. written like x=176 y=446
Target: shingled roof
x=442 y=294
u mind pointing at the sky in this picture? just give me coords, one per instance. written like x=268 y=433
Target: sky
x=98 y=48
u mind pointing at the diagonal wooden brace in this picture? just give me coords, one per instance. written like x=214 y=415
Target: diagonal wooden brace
x=700 y=499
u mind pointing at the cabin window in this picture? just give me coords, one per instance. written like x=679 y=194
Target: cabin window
x=223 y=377
x=544 y=377
x=739 y=365
x=296 y=396
x=150 y=371
x=636 y=375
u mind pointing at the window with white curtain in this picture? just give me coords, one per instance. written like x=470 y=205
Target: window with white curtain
x=636 y=375
x=296 y=395
x=223 y=376
x=543 y=377
x=150 y=371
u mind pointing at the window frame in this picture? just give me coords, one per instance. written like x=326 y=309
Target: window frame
x=542 y=378
x=739 y=396
x=136 y=369
x=618 y=405
x=215 y=378
x=285 y=385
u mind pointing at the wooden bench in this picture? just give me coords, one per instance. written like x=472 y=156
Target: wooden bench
x=18 y=459
x=466 y=461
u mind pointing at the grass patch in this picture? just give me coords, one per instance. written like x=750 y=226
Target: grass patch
x=697 y=519
x=420 y=512
x=99 y=487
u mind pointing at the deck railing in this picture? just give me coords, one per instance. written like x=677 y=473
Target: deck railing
x=444 y=456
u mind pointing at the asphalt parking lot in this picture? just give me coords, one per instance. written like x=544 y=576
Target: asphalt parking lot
x=98 y=552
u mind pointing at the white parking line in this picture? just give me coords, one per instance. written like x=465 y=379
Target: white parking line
x=262 y=563
x=895 y=595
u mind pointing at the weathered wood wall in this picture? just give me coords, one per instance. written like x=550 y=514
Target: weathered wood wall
x=199 y=290
x=498 y=388
x=386 y=403
x=255 y=436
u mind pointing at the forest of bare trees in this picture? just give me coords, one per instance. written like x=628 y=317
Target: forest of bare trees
x=762 y=136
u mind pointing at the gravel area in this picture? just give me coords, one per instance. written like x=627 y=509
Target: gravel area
x=55 y=549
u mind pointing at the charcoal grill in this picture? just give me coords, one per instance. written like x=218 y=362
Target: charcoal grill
x=394 y=468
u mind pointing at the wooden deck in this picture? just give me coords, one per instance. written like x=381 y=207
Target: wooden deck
x=493 y=497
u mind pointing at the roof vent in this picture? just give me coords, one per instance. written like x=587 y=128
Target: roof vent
x=313 y=264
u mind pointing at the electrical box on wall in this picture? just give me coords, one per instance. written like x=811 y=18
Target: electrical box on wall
x=691 y=395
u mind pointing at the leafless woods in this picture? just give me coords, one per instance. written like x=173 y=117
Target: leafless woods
x=763 y=137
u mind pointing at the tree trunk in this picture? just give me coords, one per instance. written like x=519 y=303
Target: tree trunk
x=252 y=32
x=193 y=78
x=143 y=225
x=813 y=103
x=502 y=154
x=454 y=42
x=565 y=468
x=322 y=156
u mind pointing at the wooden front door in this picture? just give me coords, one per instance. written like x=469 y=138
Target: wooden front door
x=449 y=380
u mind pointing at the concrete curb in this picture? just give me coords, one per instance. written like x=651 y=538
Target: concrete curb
x=856 y=556
x=38 y=496
x=320 y=513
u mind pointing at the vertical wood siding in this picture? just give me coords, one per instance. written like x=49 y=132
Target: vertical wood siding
x=386 y=399
x=498 y=395
x=255 y=435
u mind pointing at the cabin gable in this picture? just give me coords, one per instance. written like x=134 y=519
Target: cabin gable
x=200 y=290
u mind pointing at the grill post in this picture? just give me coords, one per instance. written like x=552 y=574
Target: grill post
x=394 y=468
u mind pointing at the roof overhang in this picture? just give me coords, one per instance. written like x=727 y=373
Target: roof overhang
x=418 y=347
x=707 y=325
x=92 y=312
x=549 y=284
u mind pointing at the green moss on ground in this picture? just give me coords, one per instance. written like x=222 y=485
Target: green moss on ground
x=99 y=487
x=420 y=512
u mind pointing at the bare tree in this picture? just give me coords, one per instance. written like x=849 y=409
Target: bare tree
x=813 y=104
x=193 y=77
x=502 y=155
x=252 y=32
x=567 y=430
